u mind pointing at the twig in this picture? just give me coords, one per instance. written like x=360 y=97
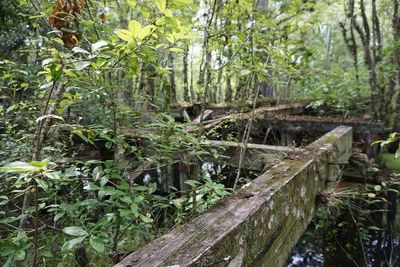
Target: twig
x=91 y=17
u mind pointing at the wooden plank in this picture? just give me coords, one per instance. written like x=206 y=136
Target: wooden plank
x=206 y=115
x=257 y=158
x=259 y=113
x=258 y=225
x=304 y=124
x=268 y=148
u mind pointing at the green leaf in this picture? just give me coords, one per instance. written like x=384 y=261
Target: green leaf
x=125 y=35
x=42 y=184
x=192 y=183
x=80 y=50
x=397 y=154
x=97 y=244
x=132 y=3
x=183 y=2
x=161 y=5
x=58 y=216
x=245 y=72
x=80 y=65
x=19 y=166
x=135 y=28
x=99 y=45
x=39 y=164
x=168 y=12
x=3 y=200
x=109 y=145
x=20 y=255
x=81 y=135
x=75 y=231
x=176 y=49
x=147 y=218
x=53 y=175
x=72 y=243
x=48 y=61
x=146 y=31
x=47 y=254
x=89 y=202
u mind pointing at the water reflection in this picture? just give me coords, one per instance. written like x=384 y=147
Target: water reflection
x=347 y=241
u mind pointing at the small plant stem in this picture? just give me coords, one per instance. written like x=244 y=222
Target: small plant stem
x=35 y=235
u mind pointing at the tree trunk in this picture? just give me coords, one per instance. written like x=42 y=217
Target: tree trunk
x=172 y=76
x=186 y=75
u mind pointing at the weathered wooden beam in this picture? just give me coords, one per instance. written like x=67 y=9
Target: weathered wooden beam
x=258 y=225
x=206 y=115
x=304 y=124
x=257 y=157
x=259 y=113
x=269 y=148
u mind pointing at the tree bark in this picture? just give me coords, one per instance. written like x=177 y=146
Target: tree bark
x=172 y=76
x=186 y=75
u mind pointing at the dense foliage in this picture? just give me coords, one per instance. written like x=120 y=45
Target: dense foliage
x=86 y=92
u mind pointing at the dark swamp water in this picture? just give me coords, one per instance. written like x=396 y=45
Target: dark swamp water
x=370 y=237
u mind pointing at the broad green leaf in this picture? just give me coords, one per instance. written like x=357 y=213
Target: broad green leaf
x=183 y=2
x=124 y=213
x=171 y=38
x=161 y=5
x=19 y=166
x=72 y=243
x=47 y=254
x=89 y=202
x=99 y=45
x=109 y=145
x=161 y=21
x=3 y=200
x=192 y=183
x=39 y=164
x=125 y=35
x=147 y=218
x=80 y=50
x=176 y=49
x=20 y=255
x=80 y=65
x=245 y=72
x=75 y=231
x=146 y=31
x=58 y=216
x=397 y=154
x=132 y=3
x=84 y=138
x=97 y=244
x=135 y=210
x=167 y=12
x=135 y=28
x=48 y=61
x=53 y=175
x=42 y=184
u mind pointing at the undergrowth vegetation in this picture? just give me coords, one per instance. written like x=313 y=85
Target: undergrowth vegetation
x=99 y=99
